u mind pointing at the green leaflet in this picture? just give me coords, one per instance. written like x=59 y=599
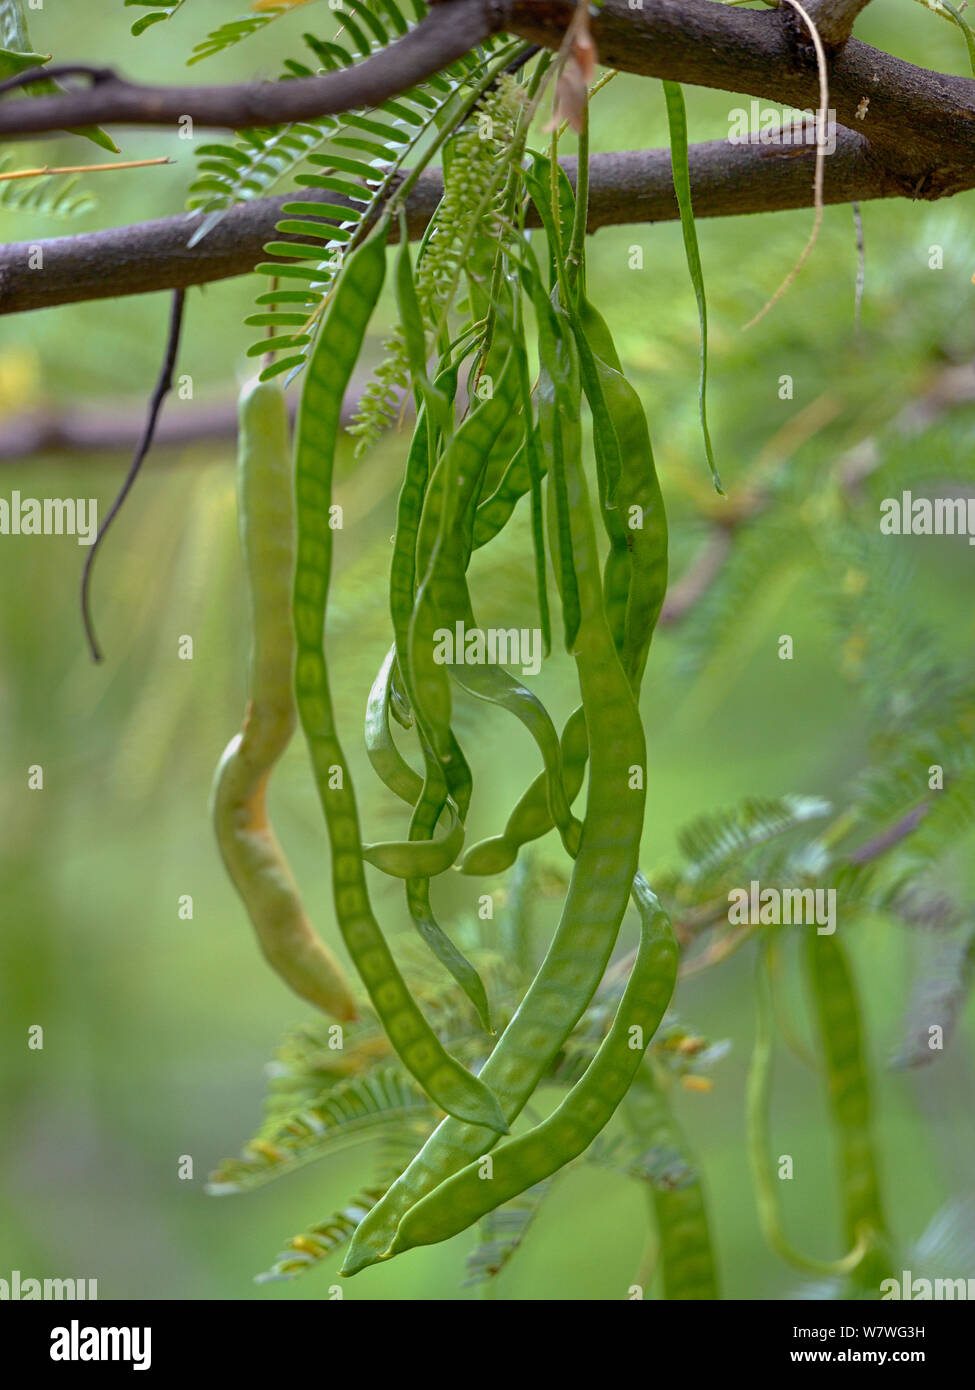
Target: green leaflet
x=677 y=121
x=965 y=28
x=12 y=62
x=19 y=56
x=349 y=1112
x=160 y=10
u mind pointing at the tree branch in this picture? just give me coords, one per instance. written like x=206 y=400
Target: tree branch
x=834 y=18
x=917 y=113
x=629 y=187
x=926 y=118
x=445 y=35
x=903 y=131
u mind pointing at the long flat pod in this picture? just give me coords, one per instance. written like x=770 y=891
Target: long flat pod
x=680 y=1212
x=838 y=1017
x=601 y=880
x=445 y=1080
x=634 y=580
x=441 y=558
x=764 y=1176
x=433 y=797
x=444 y=600
x=386 y=759
x=251 y=854
x=520 y=1163
x=532 y=815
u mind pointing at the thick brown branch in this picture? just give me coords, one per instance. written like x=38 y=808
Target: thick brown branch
x=629 y=187
x=926 y=118
x=445 y=35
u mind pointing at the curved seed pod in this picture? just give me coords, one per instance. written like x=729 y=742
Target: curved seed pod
x=759 y=1152
x=458 y=476
x=532 y=816
x=494 y=513
x=399 y=704
x=686 y=1254
x=426 y=815
x=519 y=1164
x=403 y=578
x=493 y=684
x=838 y=1017
x=448 y=1083
x=636 y=522
x=250 y=851
x=441 y=559
x=418 y=858
x=433 y=796
x=602 y=874
x=386 y=759
x=634 y=579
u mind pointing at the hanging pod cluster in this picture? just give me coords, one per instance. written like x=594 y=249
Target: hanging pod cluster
x=492 y=430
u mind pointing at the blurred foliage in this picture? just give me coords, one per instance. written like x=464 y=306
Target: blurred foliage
x=157 y=1028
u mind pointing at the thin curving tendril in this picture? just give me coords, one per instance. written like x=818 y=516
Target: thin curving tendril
x=162 y=388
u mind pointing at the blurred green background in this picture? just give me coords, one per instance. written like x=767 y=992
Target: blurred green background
x=156 y=1028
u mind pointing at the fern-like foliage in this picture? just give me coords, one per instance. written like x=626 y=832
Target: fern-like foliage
x=235 y=30
x=663 y=1165
x=475 y=171
x=304 y=1251
x=717 y=844
x=261 y=159
x=351 y=163
x=19 y=54
x=938 y=996
x=767 y=552
x=159 y=11
x=347 y=1111
x=44 y=196
x=502 y=1233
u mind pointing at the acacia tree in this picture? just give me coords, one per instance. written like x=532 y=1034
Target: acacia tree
x=420 y=126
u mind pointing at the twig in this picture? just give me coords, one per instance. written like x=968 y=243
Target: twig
x=874 y=848
x=822 y=116
x=84 y=168
x=440 y=39
x=861 y=268
x=162 y=388
x=115 y=426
